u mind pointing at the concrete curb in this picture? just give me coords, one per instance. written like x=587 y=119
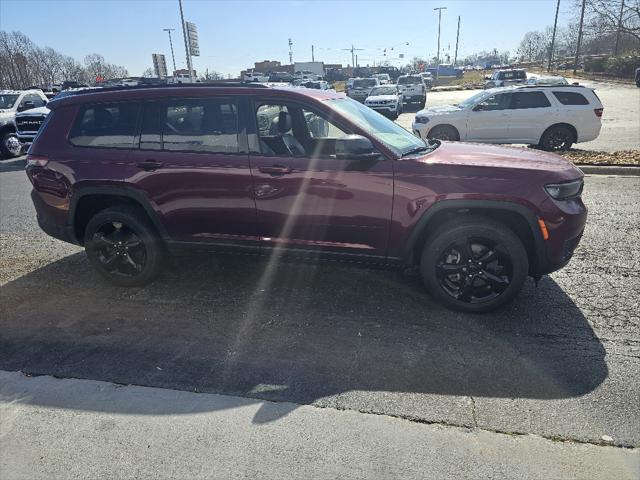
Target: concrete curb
x=628 y=170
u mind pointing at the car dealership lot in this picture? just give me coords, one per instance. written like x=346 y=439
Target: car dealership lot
x=562 y=361
x=620 y=122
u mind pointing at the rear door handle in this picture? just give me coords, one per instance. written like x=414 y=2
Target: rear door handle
x=275 y=170
x=149 y=165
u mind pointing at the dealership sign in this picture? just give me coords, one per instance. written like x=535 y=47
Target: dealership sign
x=192 y=34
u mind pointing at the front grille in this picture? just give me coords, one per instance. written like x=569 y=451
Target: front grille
x=29 y=123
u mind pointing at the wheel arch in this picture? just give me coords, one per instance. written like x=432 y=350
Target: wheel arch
x=88 y=201
x=449 y=125
x=518 y=218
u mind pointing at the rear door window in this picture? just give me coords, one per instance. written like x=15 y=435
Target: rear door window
x=571 y=98
x=107 y=126
x=201 y=125
x=521 y=100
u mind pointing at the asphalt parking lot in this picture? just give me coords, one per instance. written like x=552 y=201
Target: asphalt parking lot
x=620 y=122
x=562 y=361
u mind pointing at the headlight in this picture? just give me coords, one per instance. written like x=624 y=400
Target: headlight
x=422 y=119
x=566 y=190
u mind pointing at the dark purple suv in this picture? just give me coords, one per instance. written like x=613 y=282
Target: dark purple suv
x=134 y=173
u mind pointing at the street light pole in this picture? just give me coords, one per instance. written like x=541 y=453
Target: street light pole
x=553 y=37
x=438 y=54
x=575 y=61
x=186 y=43
x=173 y=57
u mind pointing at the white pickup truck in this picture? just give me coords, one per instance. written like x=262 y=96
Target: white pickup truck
x=413 y=89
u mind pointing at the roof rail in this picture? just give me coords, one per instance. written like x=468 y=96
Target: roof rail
x=98 y=89
x=549 y=85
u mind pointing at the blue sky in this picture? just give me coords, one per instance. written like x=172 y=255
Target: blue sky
x=234 y=34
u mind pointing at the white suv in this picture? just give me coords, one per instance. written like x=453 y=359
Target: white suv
x=552 y=117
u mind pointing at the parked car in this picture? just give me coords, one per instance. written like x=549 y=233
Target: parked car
x=552 y=117
x=386 y=99
x=277 y=77
x=317 y=84
x=383 y=78
x=133 y=173
x=11 y=103
x=360 y=88
x=427 y=78
x=548 y=80
x=413 y=89
x=256 y=77
x=504 y=78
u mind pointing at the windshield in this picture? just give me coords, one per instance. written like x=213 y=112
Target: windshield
x=469 y=102
x=365 y=82
x=384 y=91
x=409 y=80
x=388 y=132
x=7 y=101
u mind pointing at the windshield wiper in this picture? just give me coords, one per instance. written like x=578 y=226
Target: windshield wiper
x=431 y=145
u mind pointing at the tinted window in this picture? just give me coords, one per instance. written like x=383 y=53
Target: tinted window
x=529 y=100
x=499 y=101
x=111 y=126
x=365 y=83
x=204 y=125
x=571 y=98
x=36 y=99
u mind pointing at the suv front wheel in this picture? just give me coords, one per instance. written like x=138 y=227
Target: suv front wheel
x=474 y=265
x=123 y=247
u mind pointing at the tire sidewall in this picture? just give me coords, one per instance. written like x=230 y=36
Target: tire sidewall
x=3 y=142
x=142 y=228
x=544 y=143
x=445 y=236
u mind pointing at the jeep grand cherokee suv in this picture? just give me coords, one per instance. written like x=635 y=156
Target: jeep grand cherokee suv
x=133 y=173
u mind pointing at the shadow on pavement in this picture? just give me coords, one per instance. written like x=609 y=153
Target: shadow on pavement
x=301 y=333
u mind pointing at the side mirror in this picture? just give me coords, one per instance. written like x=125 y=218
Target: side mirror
x=478 y=108
x=355 y=147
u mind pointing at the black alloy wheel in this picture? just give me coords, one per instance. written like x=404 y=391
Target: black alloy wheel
x=474 y=264
x=123 y=247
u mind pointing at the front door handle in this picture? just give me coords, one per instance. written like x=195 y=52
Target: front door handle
x=275 y=170
x=149 y=165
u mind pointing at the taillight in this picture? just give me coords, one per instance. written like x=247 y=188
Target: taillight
x=598 y=112
x=37 y=160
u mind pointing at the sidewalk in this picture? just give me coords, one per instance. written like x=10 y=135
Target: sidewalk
x=52 y=428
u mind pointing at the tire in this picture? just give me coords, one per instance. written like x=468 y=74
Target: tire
x=477 y=250
x=422 y=103
x=123 y=246
x=557 y=138
x=444 y=132
x=9 y=145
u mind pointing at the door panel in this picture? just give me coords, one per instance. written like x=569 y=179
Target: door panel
x=202 y=195
x=489 y=120
x=318 y=201
x=325 y=203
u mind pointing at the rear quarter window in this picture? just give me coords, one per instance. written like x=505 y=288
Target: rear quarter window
x=571 y=98
x=107 y=126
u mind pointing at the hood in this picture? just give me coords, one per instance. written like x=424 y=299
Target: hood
x=34 y=111
x=378 y=98
x=499 y=157
x=441 y=110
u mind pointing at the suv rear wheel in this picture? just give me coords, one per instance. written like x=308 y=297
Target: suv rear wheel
x=474 y=265
x=556 y=138
x=123 y=247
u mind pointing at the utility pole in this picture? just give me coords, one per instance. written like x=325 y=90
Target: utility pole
x=615 y=52
x=575 y=61
x=353 y=57
x=553 y=37
x=186 y=43
x=313 y=59
x=455 y=57
x=290 y=52
x=438 y=54
x=173 y=57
